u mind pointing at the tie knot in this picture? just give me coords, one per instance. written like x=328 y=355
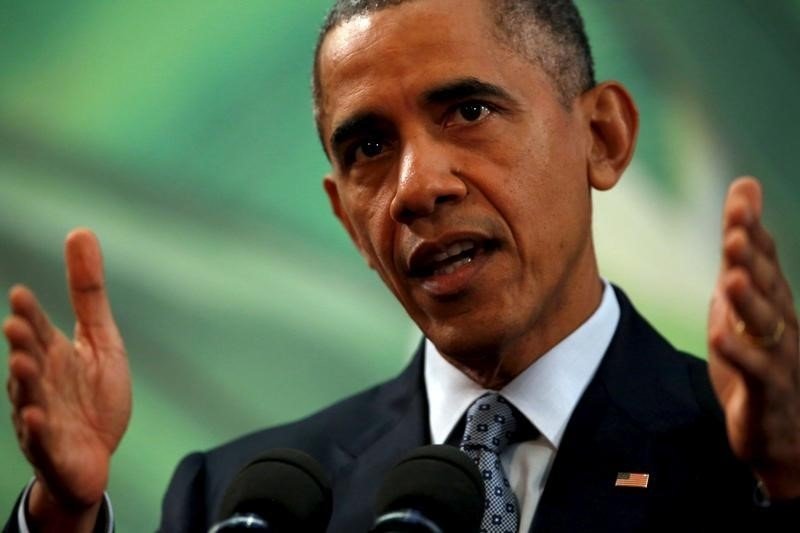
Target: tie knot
x=490 y=424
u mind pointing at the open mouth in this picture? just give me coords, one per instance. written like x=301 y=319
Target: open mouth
x=455 y=255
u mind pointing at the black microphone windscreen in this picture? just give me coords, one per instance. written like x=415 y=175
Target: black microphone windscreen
x=286 y=487
x=439 y=481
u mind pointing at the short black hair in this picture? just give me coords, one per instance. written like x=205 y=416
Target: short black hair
x=549 y=32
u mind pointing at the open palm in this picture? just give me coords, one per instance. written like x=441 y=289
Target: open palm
x=754 y=354
x=71 y=398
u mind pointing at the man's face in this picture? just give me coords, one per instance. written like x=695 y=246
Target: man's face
x=459 y=175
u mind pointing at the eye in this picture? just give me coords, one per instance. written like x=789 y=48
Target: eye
x=369 y=149
x=468 y=112
x=364 y=150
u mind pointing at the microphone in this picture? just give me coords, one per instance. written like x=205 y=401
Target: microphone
x=281 y=491
x=434 y=489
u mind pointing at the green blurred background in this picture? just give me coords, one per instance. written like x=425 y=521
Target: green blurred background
x=181 y=132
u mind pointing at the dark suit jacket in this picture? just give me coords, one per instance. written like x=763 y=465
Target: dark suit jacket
x=648 y=409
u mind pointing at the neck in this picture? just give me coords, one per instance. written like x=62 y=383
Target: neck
x=555 y=321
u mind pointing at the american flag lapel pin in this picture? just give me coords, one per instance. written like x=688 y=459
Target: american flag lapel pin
x=632 y=479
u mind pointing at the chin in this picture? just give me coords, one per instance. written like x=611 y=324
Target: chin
x=467 y=342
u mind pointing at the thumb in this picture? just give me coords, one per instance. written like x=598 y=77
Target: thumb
x=86 y=282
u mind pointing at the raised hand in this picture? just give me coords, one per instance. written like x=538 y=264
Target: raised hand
x=754 y=352
x=71 y=398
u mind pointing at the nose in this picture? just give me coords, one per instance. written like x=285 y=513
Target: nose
x=426 y=179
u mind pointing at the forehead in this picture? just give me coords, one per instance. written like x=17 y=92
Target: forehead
x=400 y=52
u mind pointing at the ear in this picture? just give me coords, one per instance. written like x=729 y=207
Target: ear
x=613 y=123
x=332 y=190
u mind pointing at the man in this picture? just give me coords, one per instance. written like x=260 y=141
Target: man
x=465 y=137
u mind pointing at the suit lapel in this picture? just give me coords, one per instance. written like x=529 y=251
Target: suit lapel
x=612 y=430
x=396 y=423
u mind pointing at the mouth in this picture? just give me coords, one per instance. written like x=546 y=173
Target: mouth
x=446 y=267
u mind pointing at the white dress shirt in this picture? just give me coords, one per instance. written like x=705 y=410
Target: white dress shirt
x=22 y=522
x=546 y=393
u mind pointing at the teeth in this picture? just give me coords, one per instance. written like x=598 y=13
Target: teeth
x=454 y=249
x=441 y=256
x=449 y=269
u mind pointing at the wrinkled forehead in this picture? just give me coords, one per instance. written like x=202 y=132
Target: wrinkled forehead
x=438 y=19
x=405 y=49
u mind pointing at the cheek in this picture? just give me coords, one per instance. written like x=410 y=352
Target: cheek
x=515 y=178
x=550 y=167
x=540 y=187
x=369 y=213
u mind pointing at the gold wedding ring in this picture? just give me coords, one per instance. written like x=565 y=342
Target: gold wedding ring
x=766 y=341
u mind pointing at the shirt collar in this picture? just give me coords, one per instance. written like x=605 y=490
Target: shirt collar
x=546 y=392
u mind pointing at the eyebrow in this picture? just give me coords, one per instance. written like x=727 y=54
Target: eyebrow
x=464 y=88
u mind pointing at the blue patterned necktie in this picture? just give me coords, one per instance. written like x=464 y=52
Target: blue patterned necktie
x=489 y=430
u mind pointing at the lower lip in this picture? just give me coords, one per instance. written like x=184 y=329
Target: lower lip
x=453 y=283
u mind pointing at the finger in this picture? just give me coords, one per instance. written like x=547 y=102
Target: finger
x=767 y=249
x=758 y=314
x=743 y=208
x=763 y=240
x=33 y=430
x=16 y=421
x=21 y=337
x=743 y=203
x=24 y=303
x=739 y=250
x=86 y=283
x=746 y=209
x=751 y=364
x=12 y=387
x=23 y=380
